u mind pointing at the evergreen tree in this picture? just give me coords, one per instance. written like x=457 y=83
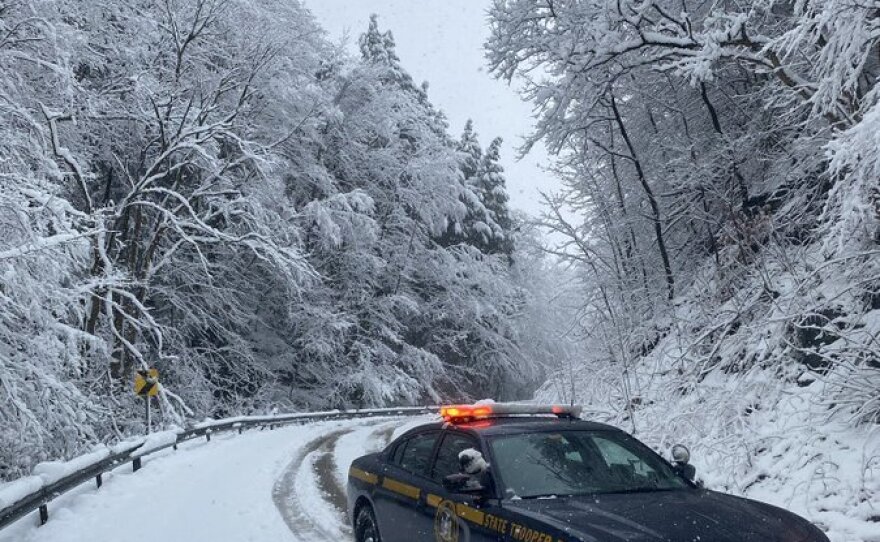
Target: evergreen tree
x=463 y=230
x=469 y=146
x=489 y=185
x=487 y=224
x=378 y=48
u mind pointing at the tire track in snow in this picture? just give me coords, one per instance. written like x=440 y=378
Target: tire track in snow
x=309 y=495
x=327 y=482
x=347 y=448
x=294 y=500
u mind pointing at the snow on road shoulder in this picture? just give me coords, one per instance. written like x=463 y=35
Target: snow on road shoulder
x=220 y=490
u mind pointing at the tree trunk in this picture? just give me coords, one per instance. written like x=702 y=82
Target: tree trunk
x=652 y=201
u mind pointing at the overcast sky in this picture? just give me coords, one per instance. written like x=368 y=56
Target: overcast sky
x=440 y=41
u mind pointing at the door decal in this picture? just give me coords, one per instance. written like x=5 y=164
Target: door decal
x=446 y=523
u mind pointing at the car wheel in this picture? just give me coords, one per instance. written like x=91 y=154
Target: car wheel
x=365 y=527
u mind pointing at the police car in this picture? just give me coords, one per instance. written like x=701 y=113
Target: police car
x=525 y=473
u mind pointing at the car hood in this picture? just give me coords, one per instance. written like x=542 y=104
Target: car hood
x=671 y=516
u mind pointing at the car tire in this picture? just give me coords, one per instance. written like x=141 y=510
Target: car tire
x=365 y=527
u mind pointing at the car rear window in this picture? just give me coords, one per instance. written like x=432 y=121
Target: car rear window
x=415 y=454
x=397 y=452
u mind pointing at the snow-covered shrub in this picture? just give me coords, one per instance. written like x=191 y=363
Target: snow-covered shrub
x=48 y=407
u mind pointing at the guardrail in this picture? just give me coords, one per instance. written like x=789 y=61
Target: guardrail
x=39 y=499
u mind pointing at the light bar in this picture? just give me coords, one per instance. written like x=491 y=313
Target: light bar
x=495 y=410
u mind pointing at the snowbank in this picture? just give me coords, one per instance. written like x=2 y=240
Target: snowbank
x=12 y=492
x=52 y=471
x=157 y=441
x=47 y=473
x=350 y=446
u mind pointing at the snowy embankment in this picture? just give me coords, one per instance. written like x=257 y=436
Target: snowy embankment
x=770 y=377
x=218 y=490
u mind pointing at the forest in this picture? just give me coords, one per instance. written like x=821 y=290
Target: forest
x=214 y=189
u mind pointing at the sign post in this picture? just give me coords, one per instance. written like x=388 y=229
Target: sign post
x=146 y=385
x=148 y=417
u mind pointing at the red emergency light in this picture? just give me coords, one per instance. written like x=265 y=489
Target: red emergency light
x=458 y=413
x=473 y=412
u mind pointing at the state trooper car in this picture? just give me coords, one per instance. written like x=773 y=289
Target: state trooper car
x=525 y=473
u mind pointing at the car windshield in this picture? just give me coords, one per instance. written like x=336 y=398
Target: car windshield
x=578 y=462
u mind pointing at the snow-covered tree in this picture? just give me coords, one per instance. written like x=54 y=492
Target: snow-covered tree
x=379 y=48
x=472 y=153
x=489 y=184
x=709 y=153
x=486 y=224
x=396 y=187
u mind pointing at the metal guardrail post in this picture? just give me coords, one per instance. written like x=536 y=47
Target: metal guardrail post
x=98 y=480
x=44 y=513
x=136 y=464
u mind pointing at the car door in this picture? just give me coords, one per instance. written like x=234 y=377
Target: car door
x=474 y=521
x=400 y=493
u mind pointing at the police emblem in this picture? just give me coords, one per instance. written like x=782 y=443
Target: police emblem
x=445 y=523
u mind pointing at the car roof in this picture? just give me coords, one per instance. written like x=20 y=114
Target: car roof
x=504 y=425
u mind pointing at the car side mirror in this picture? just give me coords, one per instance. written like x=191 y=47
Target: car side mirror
x=681 y=456
x=464 y=484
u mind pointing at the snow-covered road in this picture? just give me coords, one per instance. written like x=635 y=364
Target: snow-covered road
x=281 y=485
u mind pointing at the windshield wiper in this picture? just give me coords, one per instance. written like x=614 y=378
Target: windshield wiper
x=638 y=490
x=544 y=496
x=646 y=489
